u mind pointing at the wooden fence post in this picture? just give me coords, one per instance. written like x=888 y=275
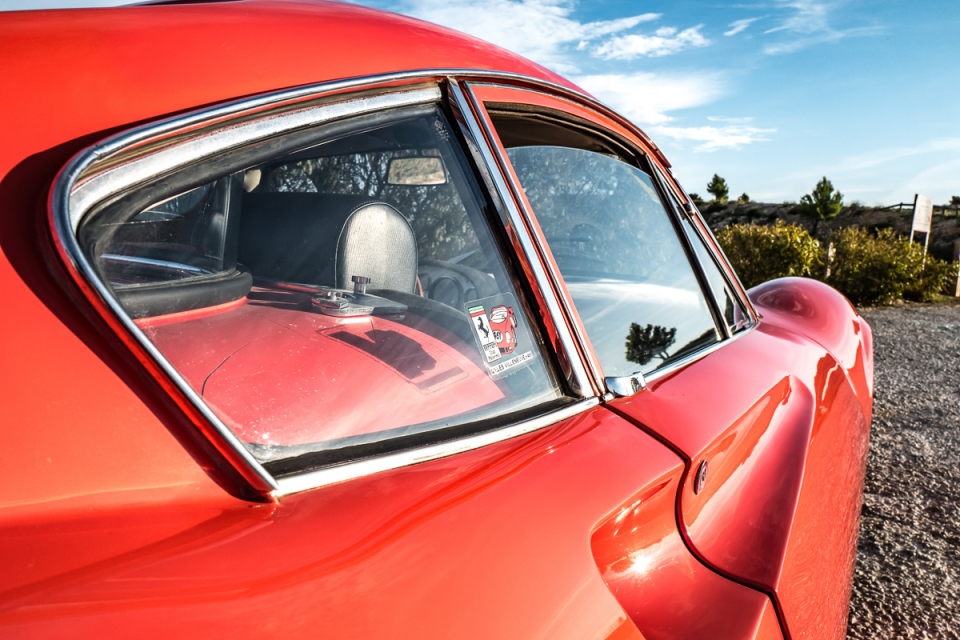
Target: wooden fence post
x=956 y=260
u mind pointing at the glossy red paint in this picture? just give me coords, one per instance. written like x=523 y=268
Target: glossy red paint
x=639 y=549
x=786 y=460
x=277 y=372
x=755 y=430
x=489 y=544
x=822 y=314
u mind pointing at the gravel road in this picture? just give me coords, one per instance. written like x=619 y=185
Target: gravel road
x=908 y=563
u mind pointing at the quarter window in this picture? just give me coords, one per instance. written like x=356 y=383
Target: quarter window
x=340 y=300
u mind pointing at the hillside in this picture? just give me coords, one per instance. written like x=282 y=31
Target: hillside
x=946 y=231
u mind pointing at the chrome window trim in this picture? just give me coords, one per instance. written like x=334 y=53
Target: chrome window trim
x=306 y=480
x=673 y=210
x=663 y=372
x=148 y=142
x=725 y=267
x=535 y=85
x=546 y=279
x=179 y=154
x=465 y=101
x=672 y=206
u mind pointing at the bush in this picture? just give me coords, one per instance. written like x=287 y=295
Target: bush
x=759 y=253
x=884 y=268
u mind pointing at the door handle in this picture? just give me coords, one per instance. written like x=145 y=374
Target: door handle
x=623 y=386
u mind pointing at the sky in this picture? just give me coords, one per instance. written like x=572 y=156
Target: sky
x=771 y=95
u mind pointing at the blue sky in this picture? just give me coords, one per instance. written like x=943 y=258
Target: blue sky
x=771 y=94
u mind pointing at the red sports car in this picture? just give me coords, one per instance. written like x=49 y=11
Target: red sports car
x=322 y=322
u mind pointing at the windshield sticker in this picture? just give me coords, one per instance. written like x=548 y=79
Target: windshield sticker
x=482 y=326
x=502 y=367
x=499 y=336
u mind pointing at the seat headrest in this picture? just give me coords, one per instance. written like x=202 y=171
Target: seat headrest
x=293 y=236
x=377 y=242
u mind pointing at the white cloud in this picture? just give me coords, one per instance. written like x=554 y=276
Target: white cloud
x=887 y=175
x=715 y=138
x=879 y=157
x=939 y=182
x=809 y=25
x=827 y=36
x=547 y=32
x=646 y=97
x=541 y=30
x=739 y=25
x=664 y=42
x=809 y=17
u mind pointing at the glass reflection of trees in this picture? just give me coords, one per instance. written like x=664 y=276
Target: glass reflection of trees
x=600 y=216
x=649 y=342
x=435 y=212
x=653 y=341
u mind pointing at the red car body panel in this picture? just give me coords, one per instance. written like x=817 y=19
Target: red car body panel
x=488 y=544
x=279 y=368
x=780 y=469
x=116 y=519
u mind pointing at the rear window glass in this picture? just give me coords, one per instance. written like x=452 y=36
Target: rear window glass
x=345 y=300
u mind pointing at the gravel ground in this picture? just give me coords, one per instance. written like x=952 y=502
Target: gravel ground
x=908 y=562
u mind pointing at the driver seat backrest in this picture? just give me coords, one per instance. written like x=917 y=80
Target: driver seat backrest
x=378 y=242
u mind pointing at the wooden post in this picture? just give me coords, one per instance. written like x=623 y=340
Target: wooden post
x=956 y=259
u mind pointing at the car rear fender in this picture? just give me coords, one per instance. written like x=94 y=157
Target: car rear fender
x=820 y=313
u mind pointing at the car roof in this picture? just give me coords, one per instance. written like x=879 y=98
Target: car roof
x=78 y=71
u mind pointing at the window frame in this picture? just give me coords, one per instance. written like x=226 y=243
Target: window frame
x=145 y=154
x=583 y=113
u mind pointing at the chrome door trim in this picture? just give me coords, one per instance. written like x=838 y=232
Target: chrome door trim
x=663 y=372
x=528 y=247
x=306 y=480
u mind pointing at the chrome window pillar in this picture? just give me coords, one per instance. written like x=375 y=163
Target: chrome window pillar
x=490 y=161
x=672 y=205
x=725 y=268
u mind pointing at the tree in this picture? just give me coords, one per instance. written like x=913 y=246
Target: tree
x=821 y=204
x=646 y=343
x=955 y=201
x=695 y=197
x=717 y=187
x=743 y=199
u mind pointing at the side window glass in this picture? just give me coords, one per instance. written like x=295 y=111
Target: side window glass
x=344 y=300
x=620 y=256
x=730 y=308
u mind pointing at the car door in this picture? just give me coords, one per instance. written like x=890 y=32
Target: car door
x=770 y=427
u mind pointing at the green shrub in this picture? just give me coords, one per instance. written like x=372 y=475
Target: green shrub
x=760 y=253
x=883 y=268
